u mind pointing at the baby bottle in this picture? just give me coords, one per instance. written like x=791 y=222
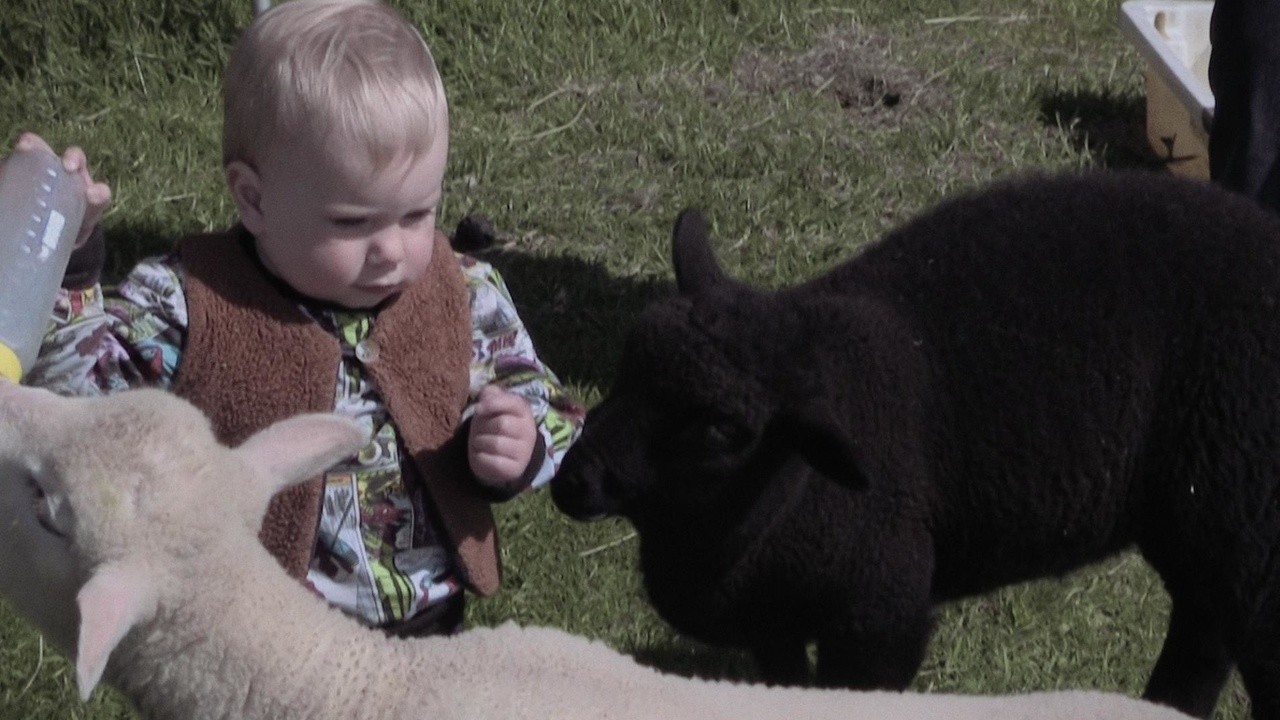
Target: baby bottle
x=41 y=207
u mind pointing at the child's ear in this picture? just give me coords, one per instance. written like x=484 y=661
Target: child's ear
x=246 y=190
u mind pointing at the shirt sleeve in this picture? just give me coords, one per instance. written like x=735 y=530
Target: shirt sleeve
x=101 y=342
x=503 y=354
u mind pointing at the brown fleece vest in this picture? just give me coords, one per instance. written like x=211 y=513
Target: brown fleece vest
x=252 y=357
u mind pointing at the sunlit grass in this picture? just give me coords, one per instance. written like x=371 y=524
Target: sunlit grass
x=580 y=130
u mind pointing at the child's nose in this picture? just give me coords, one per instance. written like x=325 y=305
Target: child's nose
x=388 y=246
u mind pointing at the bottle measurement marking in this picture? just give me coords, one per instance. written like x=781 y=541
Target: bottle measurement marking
x=44 y=244
x=49 y=242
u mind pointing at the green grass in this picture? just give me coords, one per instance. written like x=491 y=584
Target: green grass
x=803 y=128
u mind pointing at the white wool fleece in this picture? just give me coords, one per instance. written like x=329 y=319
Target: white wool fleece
x=184 y=611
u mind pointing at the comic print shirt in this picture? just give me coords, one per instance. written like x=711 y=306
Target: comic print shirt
x=376 y=556
x=379 y=552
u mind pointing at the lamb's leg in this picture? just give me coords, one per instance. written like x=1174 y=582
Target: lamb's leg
x=878 y=641
x=1193 y=664
x=1260 y=660
x=1262 y=680
x=874 y=661
x=782 y=660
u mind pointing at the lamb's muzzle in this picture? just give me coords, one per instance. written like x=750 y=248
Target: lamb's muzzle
x=572 y=489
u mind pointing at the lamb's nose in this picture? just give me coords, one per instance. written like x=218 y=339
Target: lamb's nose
x=577 y=487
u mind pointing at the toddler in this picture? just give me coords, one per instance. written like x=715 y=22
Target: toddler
x=335 y=292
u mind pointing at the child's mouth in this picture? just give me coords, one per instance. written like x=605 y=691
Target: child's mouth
x=379 y=287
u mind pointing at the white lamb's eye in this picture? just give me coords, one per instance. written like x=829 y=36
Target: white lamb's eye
x=52 y=510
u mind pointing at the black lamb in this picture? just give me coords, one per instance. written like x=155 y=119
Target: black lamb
x=1019 y=382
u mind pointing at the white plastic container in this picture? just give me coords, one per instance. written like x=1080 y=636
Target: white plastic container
x=41 y=207
x=1173 y=38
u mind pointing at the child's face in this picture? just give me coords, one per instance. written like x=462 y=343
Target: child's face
x=337 y=229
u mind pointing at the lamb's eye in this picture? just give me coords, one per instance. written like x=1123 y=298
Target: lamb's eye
x=720 y=437
x=723 y=436
x=50 y=509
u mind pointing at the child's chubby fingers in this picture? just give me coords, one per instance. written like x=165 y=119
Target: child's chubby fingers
x=97 y=198
x=494 y=400
x=499 y=452
x=495 y=459
x=74 y=161
x=97 y=195
x=509 y=435
x=31 y=141
x=503 y=434
x=503 y=414
x=488 y=428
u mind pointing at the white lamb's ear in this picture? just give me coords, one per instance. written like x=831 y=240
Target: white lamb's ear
x=300 y=447
x=117 y=598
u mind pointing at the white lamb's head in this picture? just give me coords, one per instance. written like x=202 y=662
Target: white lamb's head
x=101 y=499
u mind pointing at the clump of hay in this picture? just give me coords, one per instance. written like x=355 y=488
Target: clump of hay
x=851 y=65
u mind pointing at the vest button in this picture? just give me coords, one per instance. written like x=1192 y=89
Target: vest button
x=367 y=351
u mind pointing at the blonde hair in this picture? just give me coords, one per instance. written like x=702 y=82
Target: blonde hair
x=332 y=70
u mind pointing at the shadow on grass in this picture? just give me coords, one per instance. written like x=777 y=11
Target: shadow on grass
x=1111 y=128
x=577 y=313
x=689 y=658
x=126 y=244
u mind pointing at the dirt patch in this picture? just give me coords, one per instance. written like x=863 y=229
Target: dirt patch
x=854 y=67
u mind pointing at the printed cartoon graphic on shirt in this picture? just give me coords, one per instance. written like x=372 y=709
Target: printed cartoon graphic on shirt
x=375 y=556
x=383 y=548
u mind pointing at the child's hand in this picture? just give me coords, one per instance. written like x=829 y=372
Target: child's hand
x=503 y=435
x=97 y=195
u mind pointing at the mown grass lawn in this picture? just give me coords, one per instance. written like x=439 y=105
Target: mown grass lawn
x=804 y=128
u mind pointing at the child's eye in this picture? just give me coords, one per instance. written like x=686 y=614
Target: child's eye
x=347 y=222
x=416 y=217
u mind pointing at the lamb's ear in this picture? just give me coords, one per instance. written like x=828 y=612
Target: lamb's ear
x=300 y=447
x=691 y=256
x=115 y=599
x=824 y=441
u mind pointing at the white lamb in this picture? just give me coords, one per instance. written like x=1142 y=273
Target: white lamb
x=131 y=500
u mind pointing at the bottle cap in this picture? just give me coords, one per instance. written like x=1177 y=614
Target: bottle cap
x=10 y=366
